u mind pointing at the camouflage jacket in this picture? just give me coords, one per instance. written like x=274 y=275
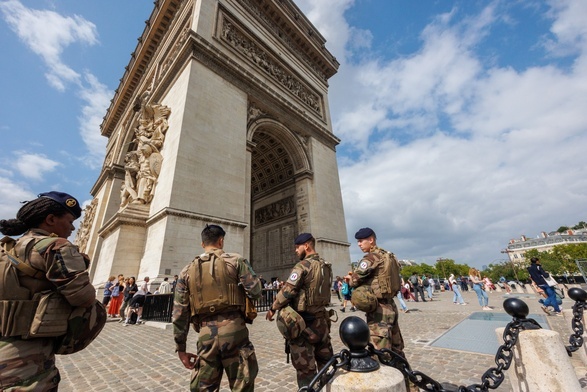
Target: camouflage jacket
x=297 y=283
x=238 y=269
x=63 y=266
x=369 y=269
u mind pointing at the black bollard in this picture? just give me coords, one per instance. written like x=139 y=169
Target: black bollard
x=354 y=333
x=516 y=308
x=577 y=294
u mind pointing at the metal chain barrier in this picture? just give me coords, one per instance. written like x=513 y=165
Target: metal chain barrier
x=325 y=374
x=576 y=339
x=491 y=379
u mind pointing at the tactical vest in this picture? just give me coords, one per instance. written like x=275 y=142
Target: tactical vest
x=17 y=305
x=211 y=291
x=317 y=292
x=386 y=282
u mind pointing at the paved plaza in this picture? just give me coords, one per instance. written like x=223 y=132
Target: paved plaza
x=142 y=358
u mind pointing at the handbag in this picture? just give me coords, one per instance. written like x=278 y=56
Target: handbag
x=550 y=281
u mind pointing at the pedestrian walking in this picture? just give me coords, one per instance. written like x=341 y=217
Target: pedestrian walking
x=457 y=296
x=538 y=275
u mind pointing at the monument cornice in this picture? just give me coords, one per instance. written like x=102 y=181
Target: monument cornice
x=331 y=241
x=169 y=211
x=114 y=171
x=132 y=215
x=287 y=23
x=155 y=31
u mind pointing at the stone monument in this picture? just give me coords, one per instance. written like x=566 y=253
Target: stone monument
x=221 y=117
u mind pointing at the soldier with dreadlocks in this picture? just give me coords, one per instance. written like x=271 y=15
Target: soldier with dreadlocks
x=47 y=304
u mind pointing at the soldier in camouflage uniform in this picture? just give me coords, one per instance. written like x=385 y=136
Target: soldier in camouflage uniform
x=379 y=269
x=211 y=293
x=51 y=263
x=307 y=291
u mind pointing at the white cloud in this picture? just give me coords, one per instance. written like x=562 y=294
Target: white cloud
x=47 y=34
x=34 y=166
x=458 y=155
x=11 y=195
x=97 y=99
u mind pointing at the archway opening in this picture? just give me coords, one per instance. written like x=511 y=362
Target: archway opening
x=273 y=206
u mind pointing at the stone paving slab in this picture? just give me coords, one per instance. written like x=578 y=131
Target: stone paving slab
x=142 y=358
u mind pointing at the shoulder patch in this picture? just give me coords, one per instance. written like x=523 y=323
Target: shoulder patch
x=363 y=265
x=293 y=277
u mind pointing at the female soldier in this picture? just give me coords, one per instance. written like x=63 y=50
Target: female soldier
x=43 y=261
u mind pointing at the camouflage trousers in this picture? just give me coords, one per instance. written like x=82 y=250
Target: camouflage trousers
x=223 y=344
x=28 y=365
x=384 y=327
x=309 y=354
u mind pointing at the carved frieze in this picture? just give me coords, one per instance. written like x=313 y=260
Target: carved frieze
x=235 y=37
x=275 y=211
x=255 y=8
x=170 y=58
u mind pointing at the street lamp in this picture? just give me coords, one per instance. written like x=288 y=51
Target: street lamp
x=439 y=261
x=507 y=252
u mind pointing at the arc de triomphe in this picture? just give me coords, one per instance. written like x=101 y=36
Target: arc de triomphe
x=221 y=117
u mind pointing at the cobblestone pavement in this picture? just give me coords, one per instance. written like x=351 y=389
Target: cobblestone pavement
x=142 y=358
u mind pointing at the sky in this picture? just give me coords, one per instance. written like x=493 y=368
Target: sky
x=463 y=124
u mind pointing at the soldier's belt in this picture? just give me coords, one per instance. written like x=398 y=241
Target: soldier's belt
x=215 y=318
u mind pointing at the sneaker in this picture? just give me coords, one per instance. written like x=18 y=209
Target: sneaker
x=557 y=313
x=464 y=303
x=353 y=309
x=545 y=309
x=407 y=311
x=486 y=308
x=343 y=309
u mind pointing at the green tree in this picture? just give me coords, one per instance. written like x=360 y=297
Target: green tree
x=561 y=258
x=408 y=270
x=445 y=267
x=562 y=229
x=580 y=225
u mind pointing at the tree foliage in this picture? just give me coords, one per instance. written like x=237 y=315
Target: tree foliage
x=442 y=269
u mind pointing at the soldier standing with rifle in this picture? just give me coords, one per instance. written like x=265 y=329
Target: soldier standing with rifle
x=306 y=323
x=213 y=293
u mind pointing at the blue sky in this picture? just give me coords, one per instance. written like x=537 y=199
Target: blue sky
x=463 y=123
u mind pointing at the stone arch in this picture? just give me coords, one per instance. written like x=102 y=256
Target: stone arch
x=279 y=160
x=287 y=138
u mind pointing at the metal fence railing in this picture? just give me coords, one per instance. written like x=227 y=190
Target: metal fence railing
x=159 y=307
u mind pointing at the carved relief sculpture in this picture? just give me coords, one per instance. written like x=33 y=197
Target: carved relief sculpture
x=83 y=232
x=257 y=55
x=143 y=165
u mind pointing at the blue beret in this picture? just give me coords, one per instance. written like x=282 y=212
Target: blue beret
x=67 y=201
x=303 y=238
x=363 y=233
